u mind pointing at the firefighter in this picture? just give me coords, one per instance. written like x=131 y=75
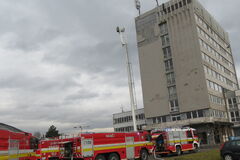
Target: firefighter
x=160 y=142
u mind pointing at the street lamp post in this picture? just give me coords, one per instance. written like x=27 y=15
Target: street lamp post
x=81 y=128
x=130 y=79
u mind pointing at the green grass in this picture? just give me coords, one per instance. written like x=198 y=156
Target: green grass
x=204 y=155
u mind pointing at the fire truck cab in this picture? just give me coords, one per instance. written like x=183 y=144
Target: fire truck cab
x=175 y=140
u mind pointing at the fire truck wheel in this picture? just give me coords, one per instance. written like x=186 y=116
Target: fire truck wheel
x=195 y=148
x=143 y=155
x=100 y=157
x=113 y=156
x=178 y=151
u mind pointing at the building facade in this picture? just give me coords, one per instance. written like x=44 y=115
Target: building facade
x=186 y=64
x=122 y=122
x=233 y=103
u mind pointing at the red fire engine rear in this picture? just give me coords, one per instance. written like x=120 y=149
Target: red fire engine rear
x=15 y=144
x=100 y=146
x=175 y=140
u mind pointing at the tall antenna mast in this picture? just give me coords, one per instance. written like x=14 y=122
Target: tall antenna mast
x=138 y=6
x=130 y=78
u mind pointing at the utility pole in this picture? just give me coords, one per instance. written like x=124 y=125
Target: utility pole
x=130 y=78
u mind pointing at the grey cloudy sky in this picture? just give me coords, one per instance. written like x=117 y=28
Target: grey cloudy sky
x=61 y=61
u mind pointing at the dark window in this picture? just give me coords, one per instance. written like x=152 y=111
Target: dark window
x=178 y=118
x=172 y=103
x=176 y=5
x=176 y=102
x=229 y=101
x=154 y=120
x=189 y=1
x=163 y=28
x=233 y=143
x=234 y=100
x=227 y=144
x=180 y=4
x=194 y=114
x=189 y=116
x=172 y=7
x=189 y=134
x=174 y=119
x=184 y=2
x=200 y=113
x=169 y=10
x=167 y=52
x=232 y=114
x=164 y=8
x=168 y=65
x=237 y=114
x=164 y=119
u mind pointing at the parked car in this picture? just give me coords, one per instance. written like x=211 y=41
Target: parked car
x=230 y=150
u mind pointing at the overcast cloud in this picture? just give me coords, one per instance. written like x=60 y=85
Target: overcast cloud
x=61 y=61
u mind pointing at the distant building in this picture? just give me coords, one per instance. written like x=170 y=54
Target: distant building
x=186 y=64
x=122 y=122
x=233 y=103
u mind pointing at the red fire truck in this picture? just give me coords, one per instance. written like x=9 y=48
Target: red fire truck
x=98 y=146
x=16 y=144
x=175 y=140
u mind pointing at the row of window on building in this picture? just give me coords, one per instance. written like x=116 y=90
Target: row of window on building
x=218 y=76
x=174 y=106
x=190 y=115
x=234 y=106
x=214 y=34
x=235 y=116
x=170 y=78
x=128 y=128
x=128 y=119
x=214 y=86
x=218 y=114
x=172 y=91
x=165 y=40
x=233 y=102
x=213 y=51
x=167 y=53
x=216 y=100
x=163 y=28
x=175 y=6
x=168 y=65
x=215 y=64
x=221 y=68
